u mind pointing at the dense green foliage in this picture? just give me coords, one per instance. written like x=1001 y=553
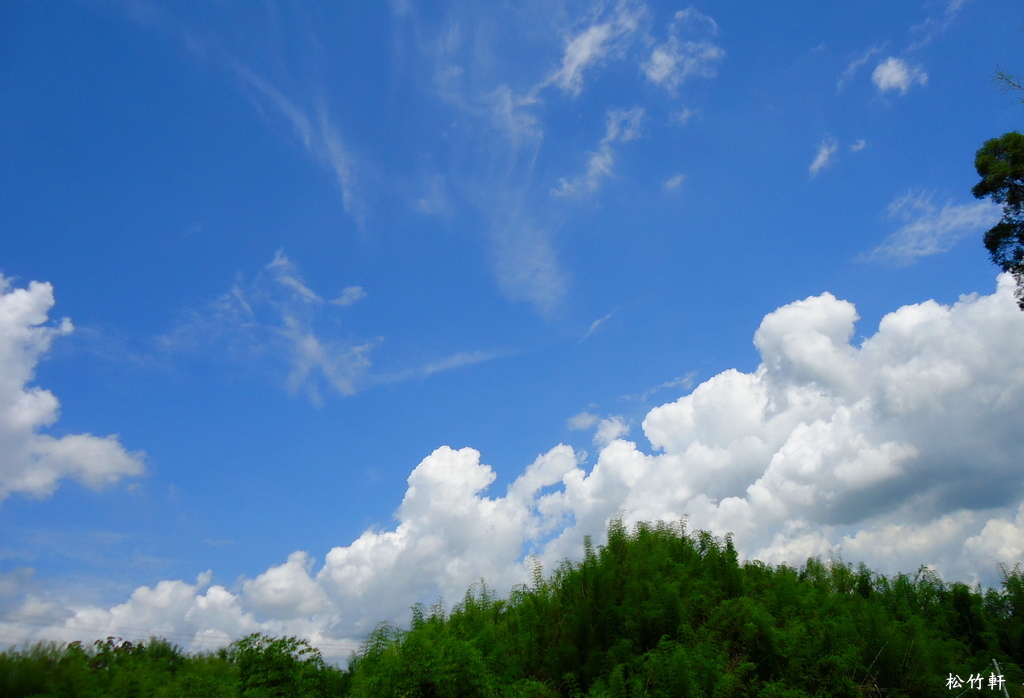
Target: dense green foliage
x=1000 y=163
x=254 y=667
x=655 y=612
x=658 y=612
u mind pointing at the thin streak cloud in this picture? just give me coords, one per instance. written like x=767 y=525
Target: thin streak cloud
x=928 y=229
x=826 y=149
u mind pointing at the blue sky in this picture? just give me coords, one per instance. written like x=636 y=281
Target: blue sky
x=368 y=302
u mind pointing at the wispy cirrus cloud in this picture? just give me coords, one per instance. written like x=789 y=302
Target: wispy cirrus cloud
x=277 y=324
x=683 y=116
x=447 y=363
x=350 y=296
x=826 y=153
x=928 y=229
x=512 y=106
x=272 y=320
x=594 y=325
x=317 y=132
x=935 y=24
x=433 y=199
x=621 y=125
x=311 y=123
x=826 y=150
x=855 y=65
x=502 y=126
x=588 y=46
x=675 y=181
x=686 y=382
x=599 y=166
x=675 y=60
x=526 y=265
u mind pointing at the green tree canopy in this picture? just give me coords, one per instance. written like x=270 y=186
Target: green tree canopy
x=1000 y=162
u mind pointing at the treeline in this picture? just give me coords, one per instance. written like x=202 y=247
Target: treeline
x=256 y=666
x=656 y=612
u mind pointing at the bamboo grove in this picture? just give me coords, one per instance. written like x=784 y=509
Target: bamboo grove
x=657 y=611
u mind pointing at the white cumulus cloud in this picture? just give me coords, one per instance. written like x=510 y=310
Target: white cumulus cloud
x=31 y=461
x=901 y=450
x=896 y=74
x=287 y=590
x=582 y=420
x=610 y=429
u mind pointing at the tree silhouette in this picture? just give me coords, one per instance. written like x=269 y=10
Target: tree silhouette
x=1000 y=163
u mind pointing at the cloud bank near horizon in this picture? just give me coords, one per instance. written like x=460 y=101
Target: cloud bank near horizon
x=900 y=451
